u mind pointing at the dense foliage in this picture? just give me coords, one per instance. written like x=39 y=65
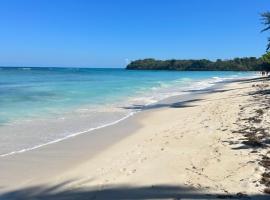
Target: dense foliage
x=237 y=64
x=266 y=62
x=266 y=22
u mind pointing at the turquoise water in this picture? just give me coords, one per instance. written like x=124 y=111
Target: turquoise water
x=82 y=98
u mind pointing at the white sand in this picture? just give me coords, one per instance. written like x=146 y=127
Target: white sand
x=185 y=146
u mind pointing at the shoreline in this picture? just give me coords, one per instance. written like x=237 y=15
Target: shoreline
x=138 y=145
x=213 y=84
x=65 y=138
x=99 y=134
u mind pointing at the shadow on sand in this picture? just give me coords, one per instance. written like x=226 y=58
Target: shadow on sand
x=191 y=99
x=180 y=104
x=253 y=80
x=119 y=192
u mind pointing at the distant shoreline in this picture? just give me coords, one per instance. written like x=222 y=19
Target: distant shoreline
x=236 y=64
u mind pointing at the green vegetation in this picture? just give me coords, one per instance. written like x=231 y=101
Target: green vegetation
x=266 y=22
x=266 y=62
x=237 y=64
x=266 y=57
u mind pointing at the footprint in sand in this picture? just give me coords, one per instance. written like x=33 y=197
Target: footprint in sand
x=143 y=159
x=131 y=172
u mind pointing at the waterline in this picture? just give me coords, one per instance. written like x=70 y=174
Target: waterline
x=57 y=108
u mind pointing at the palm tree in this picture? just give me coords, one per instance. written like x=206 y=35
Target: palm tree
x=266 y=22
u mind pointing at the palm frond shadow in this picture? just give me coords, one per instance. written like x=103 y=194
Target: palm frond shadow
x=119 y=192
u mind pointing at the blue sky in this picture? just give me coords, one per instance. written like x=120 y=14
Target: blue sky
x=107 y=33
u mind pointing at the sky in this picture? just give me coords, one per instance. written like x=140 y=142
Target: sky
x=111 y=33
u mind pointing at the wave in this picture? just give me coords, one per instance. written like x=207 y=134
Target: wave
x=26 y=68
x=66 y=137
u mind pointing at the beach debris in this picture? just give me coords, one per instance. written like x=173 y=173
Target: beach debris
x=267 y=190
x=253 y=141
x=265 y=162
x=265 y=179
x=259 y=111
x=255 y=129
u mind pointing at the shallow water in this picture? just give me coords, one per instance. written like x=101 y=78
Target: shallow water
x=44 y=105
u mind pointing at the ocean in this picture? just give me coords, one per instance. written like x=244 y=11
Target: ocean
x=40 y=106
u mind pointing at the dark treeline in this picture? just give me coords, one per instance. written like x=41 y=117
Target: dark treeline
x=237 y=64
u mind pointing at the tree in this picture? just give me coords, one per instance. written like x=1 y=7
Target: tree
x=237 y=64
x=266 y=62
x=266 y=22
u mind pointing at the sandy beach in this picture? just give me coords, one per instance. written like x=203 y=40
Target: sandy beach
x=191 y=147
